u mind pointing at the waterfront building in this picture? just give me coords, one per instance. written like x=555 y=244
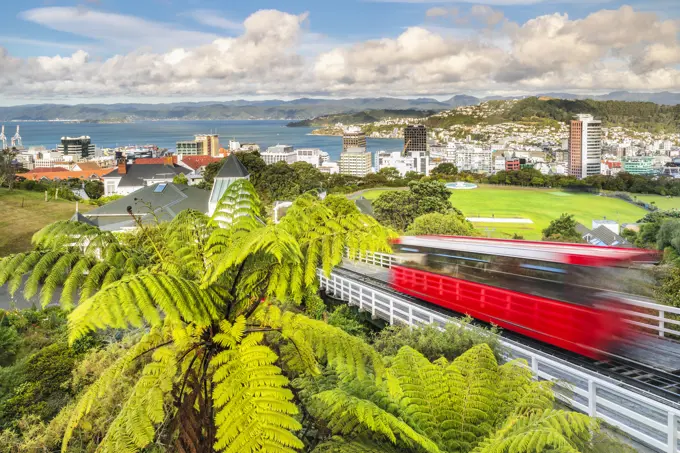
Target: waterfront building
x=585 y=146
x=353 y=138
x=279 y=153
x=191 y=148
x=355 y=161
x=77 y=147
x=211 y=143
x=415 y=139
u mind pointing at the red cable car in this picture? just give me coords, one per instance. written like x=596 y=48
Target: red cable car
x=563 y=294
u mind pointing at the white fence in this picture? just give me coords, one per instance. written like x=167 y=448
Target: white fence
x=644 y=418
x=657 y=319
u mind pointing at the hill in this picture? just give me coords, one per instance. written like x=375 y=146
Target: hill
x=297 y=109
x=367 y=116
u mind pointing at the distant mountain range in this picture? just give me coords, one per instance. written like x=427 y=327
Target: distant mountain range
x=298 y=109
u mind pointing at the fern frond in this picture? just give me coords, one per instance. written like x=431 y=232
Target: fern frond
x=339 y=445
x=348 y=415
x=144 y=297
x=254 y=409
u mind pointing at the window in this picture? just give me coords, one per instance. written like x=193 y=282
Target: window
x=160 y=188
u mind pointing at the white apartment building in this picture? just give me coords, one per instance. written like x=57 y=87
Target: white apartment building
x=416 y=161
x=585 y=146
x=313 y=156
x=279 y=153
x=331 y=168
x=355 y=161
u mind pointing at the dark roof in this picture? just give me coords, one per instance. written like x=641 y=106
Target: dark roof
x=232 y=168
x=138 y=172
x=78 y=217
x=165 y=204
x=607 y=236
x=582 y=230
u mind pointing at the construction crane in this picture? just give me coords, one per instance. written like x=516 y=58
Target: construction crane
x=16 y=140
x=3 y=137
x=408 y=142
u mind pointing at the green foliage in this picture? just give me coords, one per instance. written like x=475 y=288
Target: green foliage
x=562 y=229
x=444 y=170
x=181 y=178
x=344 y=318
x=94 y=189
x=469 y=404
x=453 y=224
x=433 y=343
x=399 y=209
x=9 y=344
x=207 y=289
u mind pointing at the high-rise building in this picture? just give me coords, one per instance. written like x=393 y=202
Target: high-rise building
x=355 y=161
x=353 y=138
x=585 y=146
x=417 y=162
x=279 y=153
x=211 y=143
x=191 y=148
x=77 y=147
x=415 y=139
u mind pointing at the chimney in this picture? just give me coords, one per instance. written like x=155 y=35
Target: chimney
x=122 y=167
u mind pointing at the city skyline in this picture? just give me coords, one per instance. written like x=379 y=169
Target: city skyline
x=168 y=50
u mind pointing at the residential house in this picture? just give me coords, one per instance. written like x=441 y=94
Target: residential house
x=603 y=236
x=156 y=202
x=197 y=166
x=127 y=178
x=62 y=174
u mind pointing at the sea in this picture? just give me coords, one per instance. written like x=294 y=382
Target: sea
x=165 y=134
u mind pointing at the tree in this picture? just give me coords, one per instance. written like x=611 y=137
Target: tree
x=219 y=346
x=253 y=163
x=562 y=229
x=453 y=224
x=278 y=181
x=8 y=167
x=398 y=209
x=94 y=189
x=444 y=170
x=211 y=170
x=181 y=179
x=307 y=176
x=391 y=175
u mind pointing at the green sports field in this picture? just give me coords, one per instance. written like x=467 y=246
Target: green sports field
x=661 y=202
x=539 y=205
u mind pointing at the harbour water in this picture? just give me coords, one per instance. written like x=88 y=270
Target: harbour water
x=166 y=133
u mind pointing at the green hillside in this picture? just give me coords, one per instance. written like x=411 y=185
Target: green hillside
x=367 y=116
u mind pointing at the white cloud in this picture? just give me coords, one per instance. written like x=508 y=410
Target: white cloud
x=214 y=19
x=275 y=55
x=122 y=31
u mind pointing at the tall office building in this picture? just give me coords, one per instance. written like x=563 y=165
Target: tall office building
x=191 y=148
x=76 y=147
x=415 y=139
x=355 y=161
x=585 y=146
x=353 y=138
x=211 y=143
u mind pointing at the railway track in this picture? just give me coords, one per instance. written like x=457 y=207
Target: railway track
x=663 y=386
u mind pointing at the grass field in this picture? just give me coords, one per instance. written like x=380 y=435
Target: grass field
x=660 y=201
x=539 y=205
x=19 y=223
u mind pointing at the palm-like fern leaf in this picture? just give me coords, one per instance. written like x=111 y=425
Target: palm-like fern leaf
x=254 y=409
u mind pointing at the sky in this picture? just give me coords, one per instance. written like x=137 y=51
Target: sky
x=108 y=51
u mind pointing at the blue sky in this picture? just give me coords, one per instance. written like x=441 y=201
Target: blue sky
x=331 y=48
